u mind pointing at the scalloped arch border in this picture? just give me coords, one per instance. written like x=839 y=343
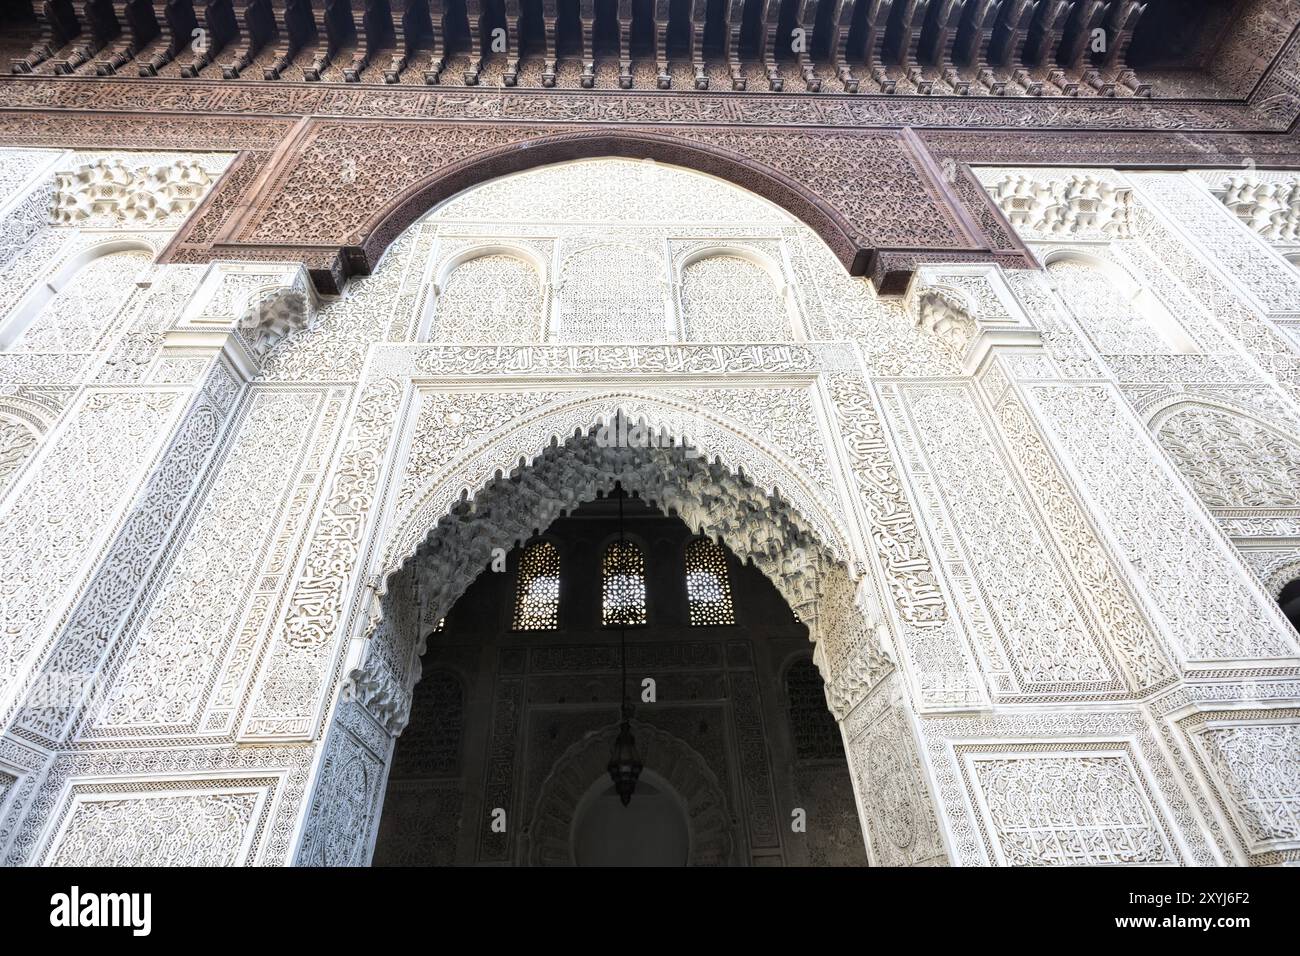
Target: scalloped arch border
x=409 y=529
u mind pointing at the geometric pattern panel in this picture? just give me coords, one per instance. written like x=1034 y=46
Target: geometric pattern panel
x=212 y=826
x=623 y=602
x=537 y=597
x=491 y=298
x=729 y=299
x=1067 y=808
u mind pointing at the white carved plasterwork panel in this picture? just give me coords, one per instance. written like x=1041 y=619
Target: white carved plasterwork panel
x=1172 y=302
x=17 y=440
x=22 y=222
x=729 y=299
x=950 y=742
x=939 y=662
x=1064 y=353
x=279 y=773
x=270 y=589
x=22 y=272
x=209 y=827
x=627 y=191
x=130 y=557
x=1218 y=237
x=158 y=190
x=490 y=298
x=1115 y=322
x=198 y=606
x=47 y=532
x=1213 y=291
x=446 y=420
x=1050 y=805
x=686 y=416
x=286 y=699
x=1266 y=201
x=1125 y=626
x=900 y=823
x=1252 y=759
x=1049 y=641
x=374 y=308
x=1232 y=461
x=1213 y=612
x=344 y=806
x=17 y=166
x=145 y=320
x=1049 y=202
x=611 y=292
x=82 y=313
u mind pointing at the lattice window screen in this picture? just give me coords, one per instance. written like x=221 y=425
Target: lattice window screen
x=708 y=589
x=537 y=596
x=623 y=600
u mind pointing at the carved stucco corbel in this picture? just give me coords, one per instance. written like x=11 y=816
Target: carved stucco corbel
x=246 y=309
x=970 y=309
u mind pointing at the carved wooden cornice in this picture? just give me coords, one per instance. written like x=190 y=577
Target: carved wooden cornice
x=329 y=173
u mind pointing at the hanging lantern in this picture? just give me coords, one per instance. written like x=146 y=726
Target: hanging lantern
x=624 y=761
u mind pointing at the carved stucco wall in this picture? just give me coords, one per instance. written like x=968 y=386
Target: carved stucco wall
x=900 y=467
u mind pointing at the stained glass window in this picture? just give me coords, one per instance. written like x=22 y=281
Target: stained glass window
x=537 y=596
x=623 y=586
x=708 y=591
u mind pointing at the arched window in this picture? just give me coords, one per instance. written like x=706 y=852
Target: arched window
x=1290 y=601
x=729 y=299
x=816 y=735
x=708 y=590
x=622 y=588
x=537 y=595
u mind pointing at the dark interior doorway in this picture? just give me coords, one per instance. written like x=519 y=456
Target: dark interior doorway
x=523 y=675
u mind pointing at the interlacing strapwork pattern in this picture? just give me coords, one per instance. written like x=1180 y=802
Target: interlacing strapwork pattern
x=537 y=595
x=492 y=298
x=623 y=602
x=82 y=312
x=708 y=589
x=730 y=299
x=1113 y=321
x=1231 y=461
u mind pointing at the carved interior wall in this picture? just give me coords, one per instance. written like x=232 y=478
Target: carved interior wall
x=1035 y=519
